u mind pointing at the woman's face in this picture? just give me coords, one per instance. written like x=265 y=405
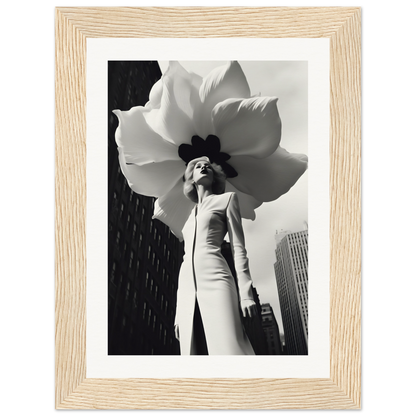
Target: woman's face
x=203 y=173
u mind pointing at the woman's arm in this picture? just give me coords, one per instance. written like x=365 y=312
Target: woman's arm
x=235 y=231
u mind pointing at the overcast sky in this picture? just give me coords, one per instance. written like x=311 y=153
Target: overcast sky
x=289 y=82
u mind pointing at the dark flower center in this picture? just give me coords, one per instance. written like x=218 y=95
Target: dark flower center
x=210 y=147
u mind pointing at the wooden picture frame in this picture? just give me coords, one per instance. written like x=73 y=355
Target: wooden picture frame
x=342 y=26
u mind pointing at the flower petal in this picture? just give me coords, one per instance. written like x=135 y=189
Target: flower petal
x=155 y=95
x=173 y=120
x=173 y=209
x=139 y=143
x=247 y=203
x=249 y=127
x=153 y=179
x=185 y=83
x=267 y=179
x=227 y=81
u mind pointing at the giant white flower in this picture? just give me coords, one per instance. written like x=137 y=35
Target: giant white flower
x=188 y=116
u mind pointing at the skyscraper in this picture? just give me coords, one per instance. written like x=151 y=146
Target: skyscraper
x=291 y=270
x=271 y=330
x=144 y=257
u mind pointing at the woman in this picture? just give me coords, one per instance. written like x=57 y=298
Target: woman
x=208 y=307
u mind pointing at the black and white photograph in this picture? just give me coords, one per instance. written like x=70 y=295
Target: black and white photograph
x=209 y=182
x=207 y=207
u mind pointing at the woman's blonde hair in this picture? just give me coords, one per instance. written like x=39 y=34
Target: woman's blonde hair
x=218 y=184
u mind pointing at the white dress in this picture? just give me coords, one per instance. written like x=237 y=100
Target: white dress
x=205 y=278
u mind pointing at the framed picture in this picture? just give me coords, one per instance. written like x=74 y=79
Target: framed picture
x=117 y=268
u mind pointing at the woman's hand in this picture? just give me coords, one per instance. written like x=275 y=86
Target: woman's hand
x=249 y=308
x=176 y=329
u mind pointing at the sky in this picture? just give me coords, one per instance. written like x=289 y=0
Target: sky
x=287 y=80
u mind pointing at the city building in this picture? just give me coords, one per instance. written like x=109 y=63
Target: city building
x=291 y=270
x=271 y=330
x=144 y=257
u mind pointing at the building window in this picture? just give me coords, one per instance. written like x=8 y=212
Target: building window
x=127 y=290
x=113 y=272
x=131 y=259
x=144 y=310
x=149 y=316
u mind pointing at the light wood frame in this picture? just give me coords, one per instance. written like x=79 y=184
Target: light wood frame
x=343 y=389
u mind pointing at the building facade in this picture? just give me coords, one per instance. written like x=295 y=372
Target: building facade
x=271 y=330
x=144 y=257
x=291 y=270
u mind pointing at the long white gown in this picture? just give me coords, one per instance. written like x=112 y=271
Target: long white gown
x=205 y=278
